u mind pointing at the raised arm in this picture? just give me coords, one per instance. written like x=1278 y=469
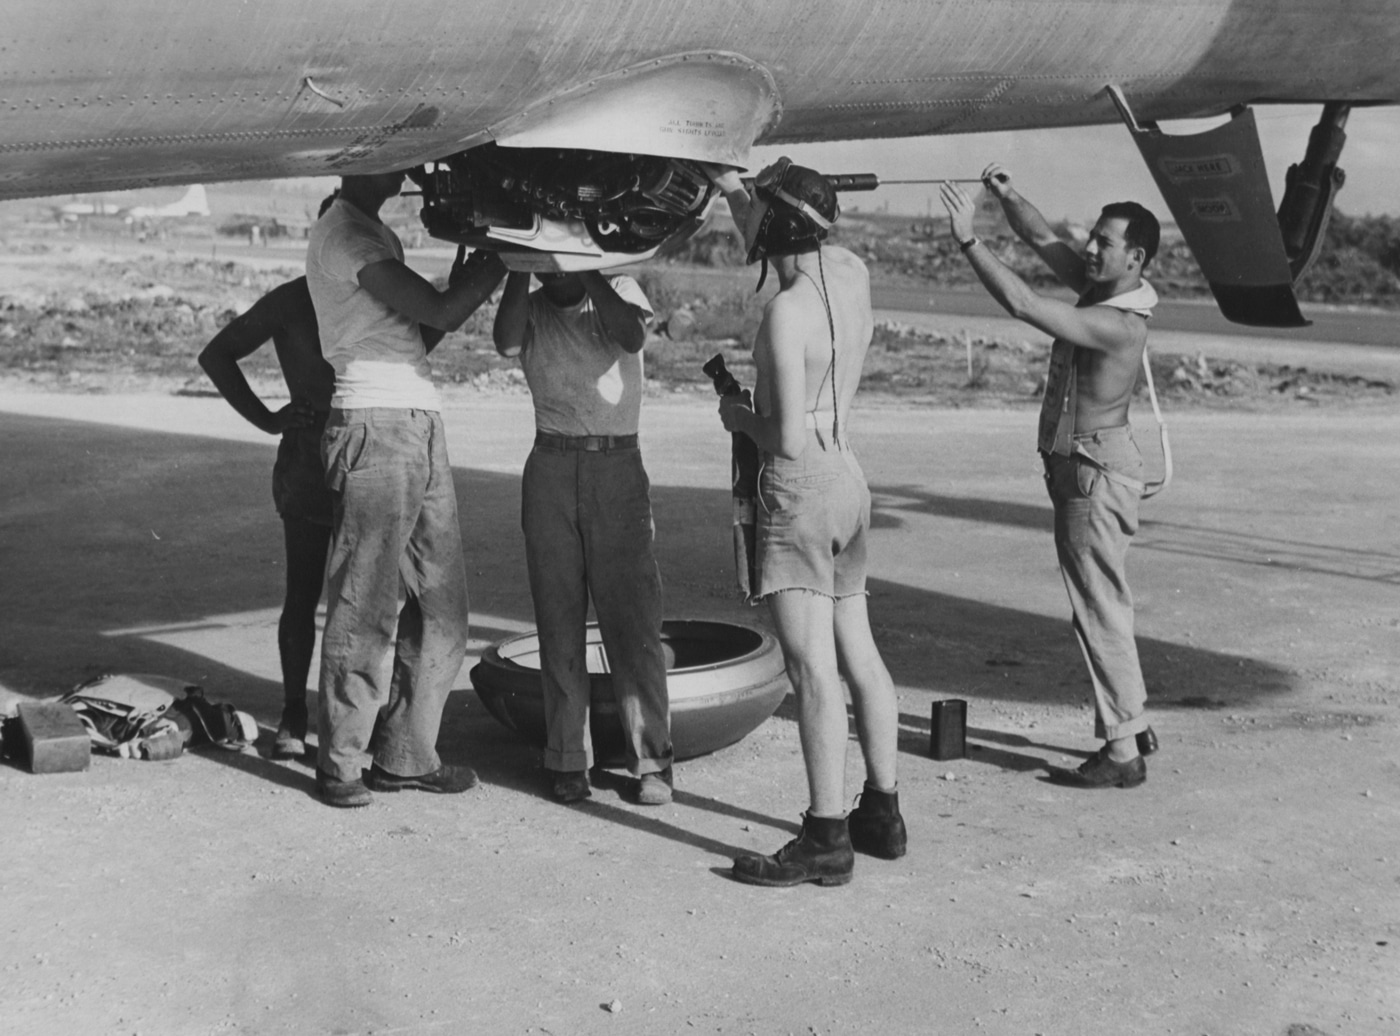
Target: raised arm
x=625 y=324
x=241 y=337
x=398 y=287
x=513 y=315
x=726 y=178
x=1032 y=228
x=431 y=335
x=1094 y=327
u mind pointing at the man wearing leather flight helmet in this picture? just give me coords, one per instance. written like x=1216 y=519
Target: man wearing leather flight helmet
x=813 y=515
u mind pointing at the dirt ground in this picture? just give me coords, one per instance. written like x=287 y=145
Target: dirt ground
x=1251 y=886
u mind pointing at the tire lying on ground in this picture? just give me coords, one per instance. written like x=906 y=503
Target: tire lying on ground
x=723 y=678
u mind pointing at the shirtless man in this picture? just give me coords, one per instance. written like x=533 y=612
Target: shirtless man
x=1092 y=466
x=285 y=315
x=813 y=515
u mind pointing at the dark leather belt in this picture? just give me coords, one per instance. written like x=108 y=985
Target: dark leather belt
x=588 y=443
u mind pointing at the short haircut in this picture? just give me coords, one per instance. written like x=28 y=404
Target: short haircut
x=1143 y=231
x=327 y=202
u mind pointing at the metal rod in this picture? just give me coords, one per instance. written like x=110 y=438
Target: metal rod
x=871 y=182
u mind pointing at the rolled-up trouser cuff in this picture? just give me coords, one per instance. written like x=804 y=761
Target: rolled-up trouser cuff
x=1128 y=728
x=642 y=767
x=567 y=762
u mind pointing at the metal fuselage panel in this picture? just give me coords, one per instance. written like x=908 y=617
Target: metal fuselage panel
x=99 y=95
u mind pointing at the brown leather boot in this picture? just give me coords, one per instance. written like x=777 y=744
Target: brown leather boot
x=821 y=853
x=876 y=827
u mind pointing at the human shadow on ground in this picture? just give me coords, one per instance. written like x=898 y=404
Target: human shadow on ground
x=993 y=747
x=139 y=551
x=1166 y=537
x=914 y=734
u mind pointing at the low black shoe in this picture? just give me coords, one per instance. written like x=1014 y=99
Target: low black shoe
x=570 y=786
x=445 y=780
x=342 y=794
x=1099 y=771
x=1147 y=741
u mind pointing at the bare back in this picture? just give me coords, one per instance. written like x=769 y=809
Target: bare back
x=796 y=319
x=296 y=338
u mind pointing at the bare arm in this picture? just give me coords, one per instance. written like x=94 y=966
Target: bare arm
x=1093 y=327
x=1032 y=228
x=431 y=335
x=784 y=431
x=729 y=184
x=625 y=325
x=512 y=325
x=398 y=287
x=242 y=337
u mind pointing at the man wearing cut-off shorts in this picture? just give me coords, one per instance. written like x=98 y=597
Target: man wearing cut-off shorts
x=813 y=518
x=396 y=603
x=1093 y=469
x=285 y=315
x=586 y=514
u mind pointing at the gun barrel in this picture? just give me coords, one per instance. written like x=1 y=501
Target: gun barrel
x=870 y=181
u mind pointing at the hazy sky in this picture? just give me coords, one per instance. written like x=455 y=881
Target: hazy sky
x=1074 y=172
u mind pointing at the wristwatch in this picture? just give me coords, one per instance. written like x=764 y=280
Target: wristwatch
x=965 y=245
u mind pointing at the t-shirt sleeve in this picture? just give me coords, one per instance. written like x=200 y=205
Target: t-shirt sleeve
x=349 y=248
x=630 y=292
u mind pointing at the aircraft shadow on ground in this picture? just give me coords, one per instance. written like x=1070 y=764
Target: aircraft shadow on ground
x=107 y=529
x=1179 y=538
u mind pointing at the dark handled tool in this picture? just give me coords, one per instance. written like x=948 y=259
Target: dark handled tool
x=744 y=464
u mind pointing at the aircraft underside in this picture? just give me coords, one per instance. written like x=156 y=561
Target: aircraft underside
x=573 y=130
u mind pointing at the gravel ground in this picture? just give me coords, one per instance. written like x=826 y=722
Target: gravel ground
x=1251 y=886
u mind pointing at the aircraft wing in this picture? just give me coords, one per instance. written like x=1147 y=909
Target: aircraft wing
x=101 y=96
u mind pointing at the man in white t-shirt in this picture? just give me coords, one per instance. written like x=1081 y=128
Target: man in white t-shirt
x=586 y=513
x=396 y=611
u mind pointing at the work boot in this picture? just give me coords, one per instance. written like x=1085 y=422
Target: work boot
x=342 y=794
x=290 y=739
x=821 y=853
x=876 y=827
x=654 y=789
x=569 y=786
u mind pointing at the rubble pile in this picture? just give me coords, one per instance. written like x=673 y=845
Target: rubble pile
x=1198 y=378
x=121 y=324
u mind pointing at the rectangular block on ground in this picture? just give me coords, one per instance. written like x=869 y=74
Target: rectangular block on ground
x=948 y=729
x=52 y=738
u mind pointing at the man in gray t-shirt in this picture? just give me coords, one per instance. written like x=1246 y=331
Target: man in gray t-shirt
x=586 y=513
x=396 y=601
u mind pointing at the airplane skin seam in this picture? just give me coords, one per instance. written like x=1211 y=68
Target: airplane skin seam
x=232 y=136
x=1070 y=77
